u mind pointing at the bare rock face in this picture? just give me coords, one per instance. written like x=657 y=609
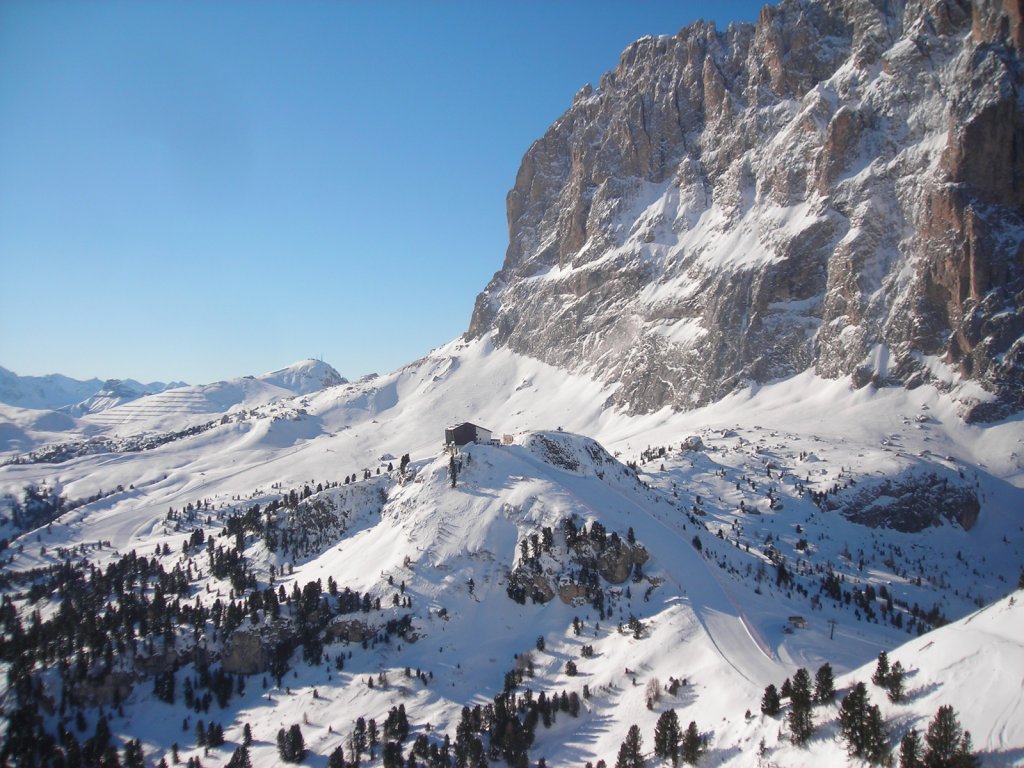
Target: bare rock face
x=106 y=691
x=246 y=653
x=350 y=630
x=909 y=502
x=838 y=187
x=616 y=563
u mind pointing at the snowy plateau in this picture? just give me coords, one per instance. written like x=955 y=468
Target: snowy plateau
x=754 y=497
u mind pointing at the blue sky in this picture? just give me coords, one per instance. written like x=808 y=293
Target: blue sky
x=205 y=190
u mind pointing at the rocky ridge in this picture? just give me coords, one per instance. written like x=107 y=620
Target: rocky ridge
x=838 y=187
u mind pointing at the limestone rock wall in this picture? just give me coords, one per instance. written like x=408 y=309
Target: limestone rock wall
x=838 y=187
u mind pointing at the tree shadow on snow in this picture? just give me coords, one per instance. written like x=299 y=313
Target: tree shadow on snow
x=1007 y=759
x=579 y=751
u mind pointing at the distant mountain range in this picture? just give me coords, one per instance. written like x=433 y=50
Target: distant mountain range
x=55 y=391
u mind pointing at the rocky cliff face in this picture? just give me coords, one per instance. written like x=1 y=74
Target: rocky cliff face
x=838 y=187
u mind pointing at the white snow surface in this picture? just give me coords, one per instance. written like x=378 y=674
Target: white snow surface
x=54 y=391
x=178 y=408
x=707 y=615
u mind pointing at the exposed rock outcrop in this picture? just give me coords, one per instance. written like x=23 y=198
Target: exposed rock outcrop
x=838 y=187
x=350 y=630
x=105 y=691
x=246 y=653
x=909 y=502
x=576 y=573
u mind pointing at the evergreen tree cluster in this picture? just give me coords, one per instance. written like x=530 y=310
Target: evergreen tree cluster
x=505 y=728
x=672 y=743
x=889 y=677
x=291 y=747
x=134 y=609
x=862 y=726
x=946 y=744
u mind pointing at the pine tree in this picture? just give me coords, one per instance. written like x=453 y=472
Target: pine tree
x=391 y=755
x=881 y=669
x=667 y=736
x=852 y=715
x=96 y=745
x=630 y=753
x=337 y=758
x=240 y=758
x=861 y=724
x=693 y=744
x=965 y=757
x=800 y=720
x=296 y=744
x=282 y=745
x=894 y=682
x=947 y=745
x=876 y=747
x=770 y=703
x=910 y=750
x=110 y=758
x=824 y=684
x=133 y=756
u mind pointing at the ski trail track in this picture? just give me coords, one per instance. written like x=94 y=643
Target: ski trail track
x=721 y=619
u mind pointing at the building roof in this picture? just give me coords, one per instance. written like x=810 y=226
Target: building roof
x=468 y=424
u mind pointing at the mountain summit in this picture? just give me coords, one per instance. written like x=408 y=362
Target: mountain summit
x=305 y=377
x=838 y=187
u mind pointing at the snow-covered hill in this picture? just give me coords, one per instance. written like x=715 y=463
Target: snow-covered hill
x=22 y=429
x=767 y=476
x=55 y=392
x=234 y=566
x=111 y=417
x=184 y=406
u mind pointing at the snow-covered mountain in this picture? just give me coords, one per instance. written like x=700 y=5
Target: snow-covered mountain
x=755 y=479
x=186 y=406
x=836 y=188
x=118 y=414
x=56 y=392
x=700 y=482
x=115 y=392
x=304 y=377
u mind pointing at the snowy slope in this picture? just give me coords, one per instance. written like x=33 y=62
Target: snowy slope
x=55 y=391
x=716 y=617
x=22 y=429
x=113 y=393
x=975 y=665
x=184 y=406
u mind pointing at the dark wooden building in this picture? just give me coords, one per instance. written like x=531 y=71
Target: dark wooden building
x=461 y=434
